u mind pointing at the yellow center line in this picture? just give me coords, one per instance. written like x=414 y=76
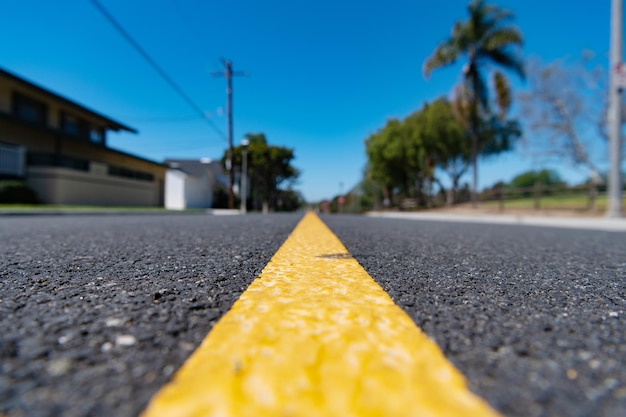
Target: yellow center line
x=315 y=335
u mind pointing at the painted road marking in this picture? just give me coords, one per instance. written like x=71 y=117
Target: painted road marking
x=315 y=335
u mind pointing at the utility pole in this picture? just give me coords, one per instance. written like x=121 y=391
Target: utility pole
x=614 y=208
x=244 y=175
x=341 y=198
x=228 y=73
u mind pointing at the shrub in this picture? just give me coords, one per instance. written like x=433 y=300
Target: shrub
x=17 y=192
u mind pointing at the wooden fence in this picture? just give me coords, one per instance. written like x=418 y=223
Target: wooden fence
x=583 y=197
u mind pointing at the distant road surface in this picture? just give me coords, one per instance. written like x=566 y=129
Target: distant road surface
x=97 y=312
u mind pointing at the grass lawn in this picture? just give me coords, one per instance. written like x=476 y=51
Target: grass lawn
x=571 y=202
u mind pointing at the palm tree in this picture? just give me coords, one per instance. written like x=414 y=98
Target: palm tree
x=486 y=38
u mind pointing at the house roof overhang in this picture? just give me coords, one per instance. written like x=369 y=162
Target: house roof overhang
x=110 y=123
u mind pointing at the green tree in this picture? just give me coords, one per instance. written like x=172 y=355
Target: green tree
x=393 y=160
x=426 y=153
x=496 y=134
x=531 y=178
x=269 y=169
x=289 y=200
x=485 y=39
x=446 y=142
x=371 y=191
x=404 y=155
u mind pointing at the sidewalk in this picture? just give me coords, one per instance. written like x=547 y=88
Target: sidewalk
x=111 y=211
x=563 y=219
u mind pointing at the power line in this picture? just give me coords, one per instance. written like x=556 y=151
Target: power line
x=163 y=119
x=157 y=68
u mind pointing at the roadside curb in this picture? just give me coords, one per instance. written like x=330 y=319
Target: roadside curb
x=606 y=224
x=11 y=213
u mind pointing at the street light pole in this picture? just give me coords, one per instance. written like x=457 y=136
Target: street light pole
x=614 y=208
x=244 y=174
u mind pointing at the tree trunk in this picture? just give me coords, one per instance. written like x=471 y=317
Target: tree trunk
x=451 y=198
x=386 y=196
x=474 y=192
x=593 y=193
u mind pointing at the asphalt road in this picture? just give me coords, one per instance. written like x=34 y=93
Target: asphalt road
x=97 y=312
x=534 y=317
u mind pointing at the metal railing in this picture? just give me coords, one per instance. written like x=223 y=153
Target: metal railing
x=48 y=159
x=12 y=160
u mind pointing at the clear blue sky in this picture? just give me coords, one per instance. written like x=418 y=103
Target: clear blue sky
x=324 y=74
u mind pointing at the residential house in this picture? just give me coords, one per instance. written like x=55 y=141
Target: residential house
x=191 y=183
x=59 y=147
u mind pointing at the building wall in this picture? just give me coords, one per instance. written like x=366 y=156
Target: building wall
x=184 y=191
x=8 y=87
x=99 y=176
x=56 y=185
x=5 y=97
x=175 y=190
x=32 y=139
x=198 y=192
x=46 y=141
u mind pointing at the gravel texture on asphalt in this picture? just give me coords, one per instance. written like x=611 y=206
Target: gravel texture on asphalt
x=534 y=317
x=97 y=312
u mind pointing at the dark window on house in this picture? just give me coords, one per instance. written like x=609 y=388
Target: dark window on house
x=70 y=124
x=96 y=135
x=47 y=159
x=29 y=109
x=81 y=129
x=75 y=126
x=118 y=171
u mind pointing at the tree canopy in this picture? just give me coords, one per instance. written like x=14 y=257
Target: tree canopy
x=531 y=178
x=404 y=155
x=270 y=169
x=485 y=39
